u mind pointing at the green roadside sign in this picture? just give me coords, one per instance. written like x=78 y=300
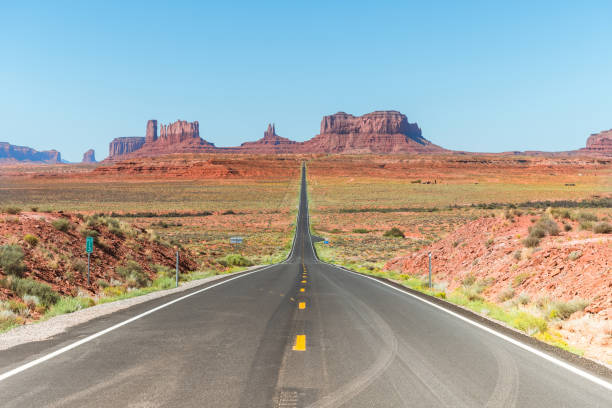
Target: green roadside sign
x=89 y=245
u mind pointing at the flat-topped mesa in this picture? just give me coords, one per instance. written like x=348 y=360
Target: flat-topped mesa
x=599 y=143
x=376 y=132
x=11 y=153
x=121 y=146
x=270 y=143
x=178 y=132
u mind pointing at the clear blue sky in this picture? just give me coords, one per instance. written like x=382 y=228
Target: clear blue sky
x=478 y=76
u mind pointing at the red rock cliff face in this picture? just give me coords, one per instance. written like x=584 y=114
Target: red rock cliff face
x=89 y=156
x=270 y=143
x=178 y=132
x=376 y=132
x=600 y=143
x=122 y=146
x=12 y=153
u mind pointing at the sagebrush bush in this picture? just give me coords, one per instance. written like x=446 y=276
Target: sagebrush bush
x=505 y=294
x=360 y=231
x=235 y=260
x=12 y=210
x=531 y=242
x=602 y=228
x=31 y=287
x=394 y=233
x=133 y=274
x=61 y=224
x=162 y=270
x=574 y=255
x=563 y=310
x=32 y=240
x=11 y=260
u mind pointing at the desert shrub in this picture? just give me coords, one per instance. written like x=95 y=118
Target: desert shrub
x=523 y=299
x=11 y=260
x=164 y=282
x=528 y=323
x=31 y=300
x=12 y=210
x=537 y=232
x=520 y=278
x=602 y=228
x=560 y=213
x=360 y=231
x=574 y=255
x=394 y=233
x=563 y=310
x=162 y=270
x=7 y=319
x=133 y=274
x=229 y=212
x=102 y=283
x=68 y=304
x=235 y=260
x=335 y=231
x=113 y=291
x=586 y=225
x=489 y=242
x=585 y=216
x=61 y=224
x=32 y=240
x=549 y=225
x=505 y=294
x=567 y=227
x=531 y=242
x=79 y=266
x=34 y=209
x=31 y=287
x=517 y=255
x=469 y=280
x=90 y=233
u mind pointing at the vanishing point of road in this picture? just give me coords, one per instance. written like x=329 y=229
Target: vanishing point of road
x=301 y=333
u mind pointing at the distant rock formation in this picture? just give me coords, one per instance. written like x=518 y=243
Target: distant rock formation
x=270 y=143
x=151 y=131
x=599 y=143
x=10 y=153
x=122 y=146
x=376 y=132
x=89 y=156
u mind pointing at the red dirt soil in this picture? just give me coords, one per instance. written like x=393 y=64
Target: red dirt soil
x=68 y=247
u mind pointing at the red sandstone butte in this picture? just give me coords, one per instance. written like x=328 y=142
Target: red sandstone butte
x=599 y=143
x=12 y=154
x=89 y=156
x=270 y=143
x=376 y=132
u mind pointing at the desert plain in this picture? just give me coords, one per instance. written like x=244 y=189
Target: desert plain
x=522 y=239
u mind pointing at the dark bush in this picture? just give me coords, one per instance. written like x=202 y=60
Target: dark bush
x=61 y=224
x=360 y=231
x=531 y=242
x=602 y=228
x=11 y=260
x=31 y=287
x=133 y=274
x=394 y=233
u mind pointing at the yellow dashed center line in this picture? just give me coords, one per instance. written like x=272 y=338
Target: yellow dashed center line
x=302 y=305
x=302 y=290
x=300 y=343
x=303 y=281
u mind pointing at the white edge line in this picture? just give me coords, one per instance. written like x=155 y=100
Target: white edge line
x=560 y=363
x=87 y=339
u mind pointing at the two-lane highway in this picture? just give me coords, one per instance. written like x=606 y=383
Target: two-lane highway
x=300 y=333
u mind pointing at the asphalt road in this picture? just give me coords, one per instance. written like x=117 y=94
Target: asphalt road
x=259 y=341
